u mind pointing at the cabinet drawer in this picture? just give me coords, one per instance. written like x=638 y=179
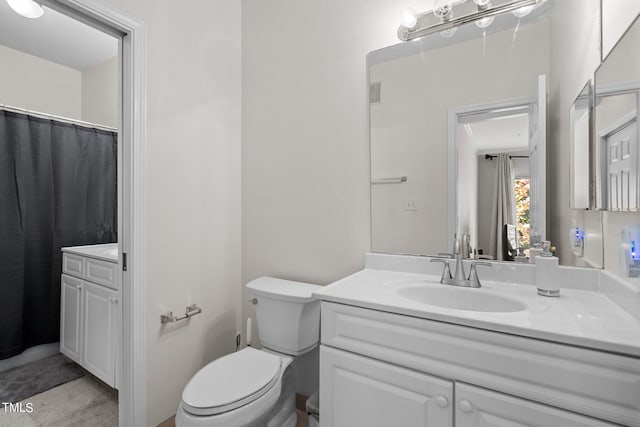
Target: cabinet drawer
x=101 y=272
x=73 y=265
x=479 y=407
x=590 y=382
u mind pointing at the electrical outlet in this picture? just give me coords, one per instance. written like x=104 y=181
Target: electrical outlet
x=411 y=205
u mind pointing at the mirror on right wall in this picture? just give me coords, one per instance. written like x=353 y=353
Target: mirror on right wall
x=615 y=139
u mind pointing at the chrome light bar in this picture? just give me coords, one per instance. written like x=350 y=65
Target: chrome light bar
x=429 y=22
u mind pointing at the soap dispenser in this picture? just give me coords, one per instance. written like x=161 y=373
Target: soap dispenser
x=547 y=280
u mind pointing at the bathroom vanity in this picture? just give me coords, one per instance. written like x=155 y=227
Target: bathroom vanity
x=399 y=348
x=89 y=320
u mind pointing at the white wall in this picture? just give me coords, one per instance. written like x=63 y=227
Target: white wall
x=36 y=84
x=616 y=17
x=467 y=187
x=100 y=94
x=305 y=144
x=193 y=187
x=409 y=128
x=575 y=54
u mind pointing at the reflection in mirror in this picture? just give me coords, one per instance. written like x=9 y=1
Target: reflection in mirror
x=457 y=139
x=493 y=183
x=580 y=139
x=617 y=91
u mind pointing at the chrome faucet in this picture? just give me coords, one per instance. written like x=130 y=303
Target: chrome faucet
x=459 y=278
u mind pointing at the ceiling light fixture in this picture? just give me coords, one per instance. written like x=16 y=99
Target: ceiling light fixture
x=26 y=8
x=442 y=19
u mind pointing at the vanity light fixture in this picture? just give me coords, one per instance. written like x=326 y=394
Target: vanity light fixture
x=523 y=11
x=448 y=15
x=409 y=18
x=27 y=8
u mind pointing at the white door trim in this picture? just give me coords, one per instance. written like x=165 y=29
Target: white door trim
x=131 y=198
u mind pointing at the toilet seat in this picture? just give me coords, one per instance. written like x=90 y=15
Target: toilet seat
x=245 y=376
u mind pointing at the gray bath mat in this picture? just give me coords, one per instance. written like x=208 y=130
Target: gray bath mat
x=25 y=381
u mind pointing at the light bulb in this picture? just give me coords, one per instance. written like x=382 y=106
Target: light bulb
x=26 y=8
x=449 y=33
x=523 y=11
x=485 y=22
x=443 y=10
x=409 y=18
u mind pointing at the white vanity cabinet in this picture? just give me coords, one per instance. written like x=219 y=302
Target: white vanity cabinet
x=89 y=315
x=360 y=391
x=381 y=369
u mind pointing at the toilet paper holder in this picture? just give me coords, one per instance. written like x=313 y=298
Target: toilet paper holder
x=190 y=311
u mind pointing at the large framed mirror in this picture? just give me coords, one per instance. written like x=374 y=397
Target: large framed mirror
x=617 y=102
x=459 y=148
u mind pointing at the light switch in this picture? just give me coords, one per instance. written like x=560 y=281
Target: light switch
x=411 y=205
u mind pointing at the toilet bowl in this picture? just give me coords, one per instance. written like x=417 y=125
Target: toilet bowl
x=254 y=387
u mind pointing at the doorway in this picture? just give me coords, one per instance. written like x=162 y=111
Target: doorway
x=130 y=271
x=480 y=136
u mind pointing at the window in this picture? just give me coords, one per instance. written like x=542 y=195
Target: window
x=521 y=189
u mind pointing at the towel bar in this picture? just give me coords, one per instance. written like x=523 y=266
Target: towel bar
x=191 y=310
x=398 y=180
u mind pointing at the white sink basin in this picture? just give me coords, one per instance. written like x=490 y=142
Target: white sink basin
x=447 y=296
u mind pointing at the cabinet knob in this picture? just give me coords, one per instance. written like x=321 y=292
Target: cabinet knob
x=79 y=287
x=442 y=401
x=466 y=406
x=113 y=300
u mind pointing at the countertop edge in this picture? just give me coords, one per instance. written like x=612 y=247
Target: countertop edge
x=587 y=343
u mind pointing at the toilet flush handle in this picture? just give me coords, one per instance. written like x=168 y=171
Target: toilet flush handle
x=254 y=301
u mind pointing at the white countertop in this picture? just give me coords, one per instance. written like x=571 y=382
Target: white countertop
x=584 y=318
x=107 y=252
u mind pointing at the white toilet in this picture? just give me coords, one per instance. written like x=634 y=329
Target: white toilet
x=257 y=387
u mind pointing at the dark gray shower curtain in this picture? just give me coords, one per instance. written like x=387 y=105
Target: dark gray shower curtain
x=57 y=188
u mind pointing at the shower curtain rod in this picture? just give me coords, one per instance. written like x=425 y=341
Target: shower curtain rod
x=57 y=118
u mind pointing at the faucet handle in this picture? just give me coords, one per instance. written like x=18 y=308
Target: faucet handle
x=473 y=272
x=446 y=272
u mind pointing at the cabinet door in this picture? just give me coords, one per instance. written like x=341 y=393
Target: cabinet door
x=477 y=407
x=359 y=391
x=99 y=305
x=70 y=317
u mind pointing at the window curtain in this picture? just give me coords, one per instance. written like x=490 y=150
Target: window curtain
x=57 y=188
x=504 y=206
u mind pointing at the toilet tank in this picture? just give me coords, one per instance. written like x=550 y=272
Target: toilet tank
x=288 y=315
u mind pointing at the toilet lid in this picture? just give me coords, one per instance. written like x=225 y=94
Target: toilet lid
x=231 y=381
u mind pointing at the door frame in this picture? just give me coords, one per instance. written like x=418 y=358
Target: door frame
x=132 y=396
